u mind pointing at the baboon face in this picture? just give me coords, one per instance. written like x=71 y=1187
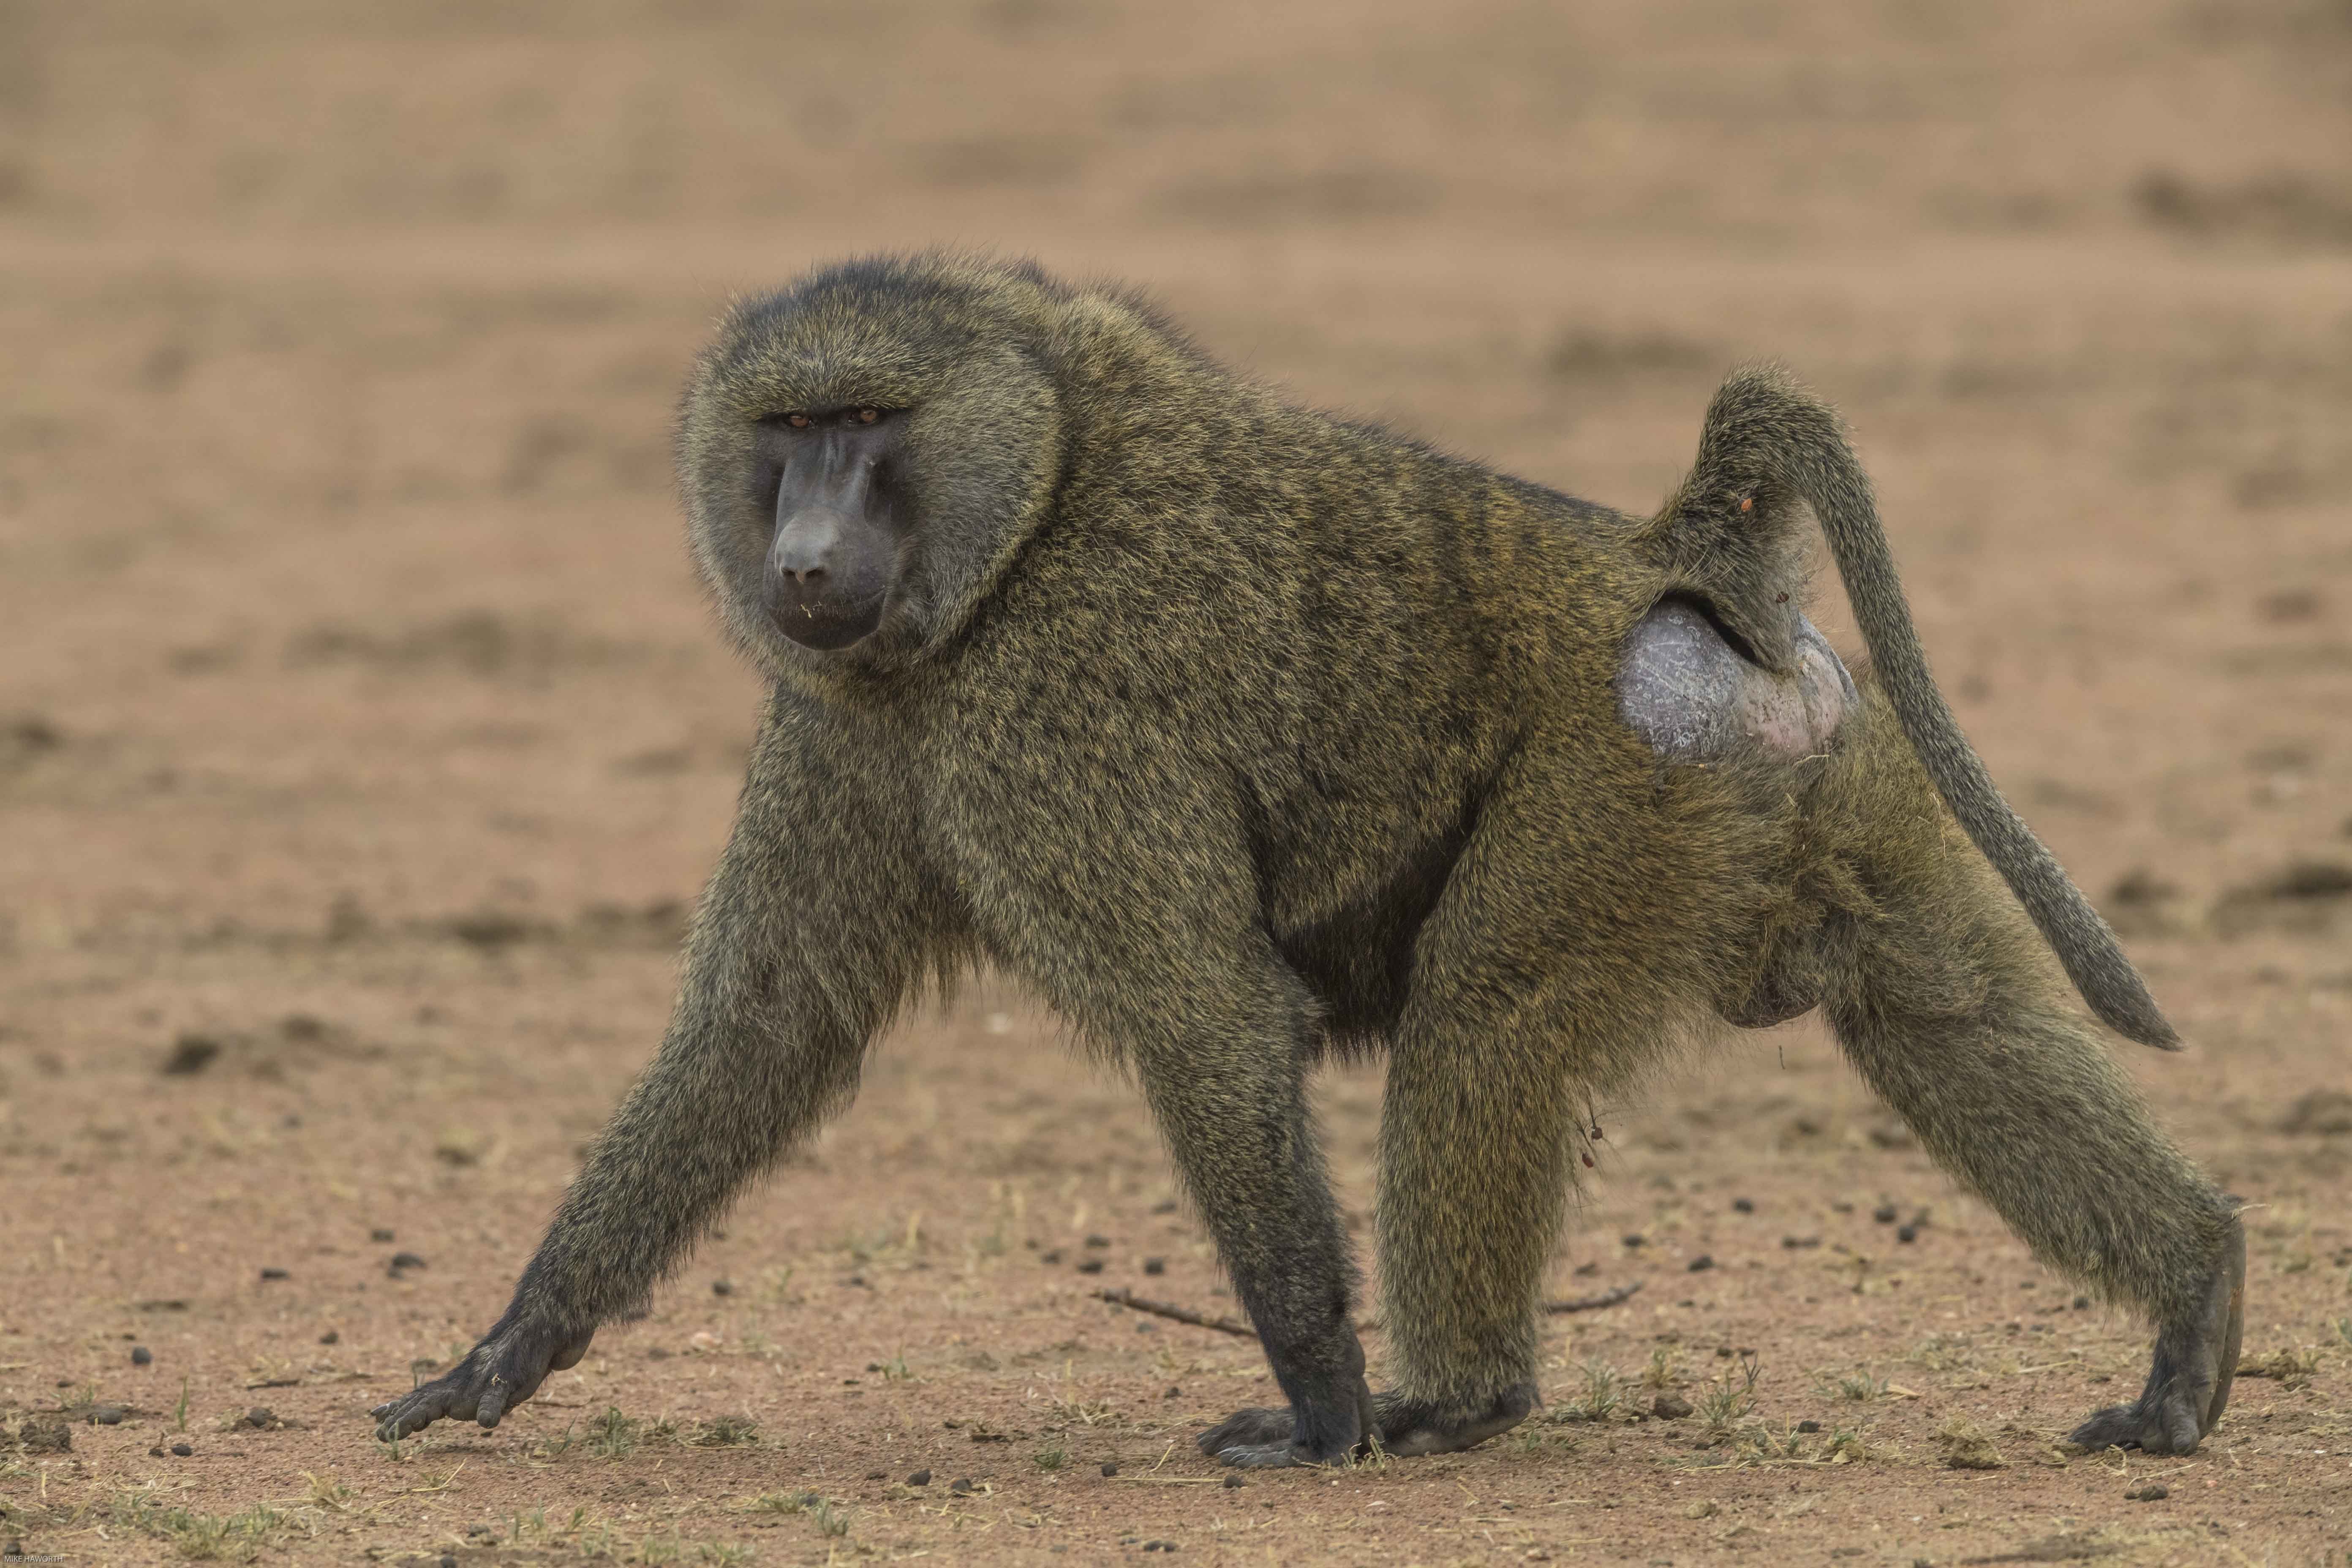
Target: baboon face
x=840 y=484
x=857 y=470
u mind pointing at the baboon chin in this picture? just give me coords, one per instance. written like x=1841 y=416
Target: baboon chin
x=1240 y=733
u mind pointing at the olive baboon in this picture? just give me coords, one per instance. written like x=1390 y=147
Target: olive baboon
x=1243 y=733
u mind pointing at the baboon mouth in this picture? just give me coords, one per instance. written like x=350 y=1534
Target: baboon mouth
x=829 y=625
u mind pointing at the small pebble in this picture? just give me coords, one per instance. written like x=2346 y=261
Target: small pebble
x=1632 y=1241
x=1884 y=1213
x=260 y=1416
x=182 y=1449
x=1110 y=1470
x=877 y=1475
x=1174 y=1392
x=449 y=1560
x=108 y=1414
x=722 y=1286
x=2082 y=1304
x=919 y=1479
x=330 y=1337
x=1702 y=1263
x=1670 y=1407
x=406 y=1260
x=1155 y=1266
x=1809 y=1426
x=141 y=1355
x=1091 y=1266
x=1743 y=1206
x=960 y=1485
x=275 y=1274
x=1054 y=1256
x=380 y=1234
x=1233 y=1479
x=1098 y=1241
x=1907 y=1233
x=2153 y=1492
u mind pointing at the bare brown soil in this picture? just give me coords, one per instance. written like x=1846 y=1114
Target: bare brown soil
x=361 y=736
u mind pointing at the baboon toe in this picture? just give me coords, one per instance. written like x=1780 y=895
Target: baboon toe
x=1409 y=1427
x=1274 y=1456
x=1249 y=1429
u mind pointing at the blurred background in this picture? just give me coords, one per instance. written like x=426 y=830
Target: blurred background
x=362 y=734
x=341 y=343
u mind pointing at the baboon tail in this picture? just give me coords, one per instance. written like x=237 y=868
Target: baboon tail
x=1731 y=533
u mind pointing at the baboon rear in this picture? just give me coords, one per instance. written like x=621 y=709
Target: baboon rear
x=1241 y=733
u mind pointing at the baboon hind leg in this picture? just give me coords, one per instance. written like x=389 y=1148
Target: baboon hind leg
x=1952 y=1008
x=1475 y=1172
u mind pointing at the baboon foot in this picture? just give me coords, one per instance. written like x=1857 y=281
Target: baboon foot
x=1270 y=1439
x=2189 y=1383
x=1409 y=1428
x=1402 y=1427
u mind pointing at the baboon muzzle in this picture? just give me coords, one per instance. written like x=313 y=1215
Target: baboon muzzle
x=829 y=565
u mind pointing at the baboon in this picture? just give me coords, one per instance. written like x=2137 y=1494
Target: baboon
x=1245 y=735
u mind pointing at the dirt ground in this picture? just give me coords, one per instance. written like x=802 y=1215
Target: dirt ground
x=363 y=736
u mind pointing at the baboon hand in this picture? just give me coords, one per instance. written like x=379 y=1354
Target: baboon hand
x=496 y=1376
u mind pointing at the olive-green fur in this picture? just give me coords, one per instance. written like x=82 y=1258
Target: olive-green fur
x=1243 y=733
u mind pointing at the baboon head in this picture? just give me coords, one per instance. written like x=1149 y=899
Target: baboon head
x=861 y=452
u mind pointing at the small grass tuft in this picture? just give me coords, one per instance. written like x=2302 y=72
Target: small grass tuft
x=1603 y=1394
x=1845 y=1445
x=1857 y=1388
x=200 y=1536
x=725 y=1432
x=1723 y=1402
x=613 y=1435
x=2291 y=1368
x=1664 y=1370
x=829 y=1520
x=1965 y=1445
x=1051 y=1459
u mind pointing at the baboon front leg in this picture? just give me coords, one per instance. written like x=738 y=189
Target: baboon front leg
x=1950 y=1006
x=808 y=936
x=1235 y=1113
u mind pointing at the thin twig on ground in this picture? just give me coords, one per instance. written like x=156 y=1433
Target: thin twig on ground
x=1594 y=1303
x=1129 y=1298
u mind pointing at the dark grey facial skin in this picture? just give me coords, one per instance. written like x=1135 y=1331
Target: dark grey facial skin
x=840 y=519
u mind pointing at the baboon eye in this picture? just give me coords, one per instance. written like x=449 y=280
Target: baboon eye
x=869 y=415
x=798 y=420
